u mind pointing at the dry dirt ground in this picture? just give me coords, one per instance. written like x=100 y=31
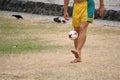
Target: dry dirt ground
x=100 y=57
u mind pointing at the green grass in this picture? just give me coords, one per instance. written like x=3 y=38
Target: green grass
x=17 y=46
x=18 y=36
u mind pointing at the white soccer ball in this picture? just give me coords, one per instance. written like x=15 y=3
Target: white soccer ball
x=73 y=35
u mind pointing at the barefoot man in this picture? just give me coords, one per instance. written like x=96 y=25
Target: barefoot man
x=83 y=14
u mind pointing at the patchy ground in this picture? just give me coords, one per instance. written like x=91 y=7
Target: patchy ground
x=100 y=55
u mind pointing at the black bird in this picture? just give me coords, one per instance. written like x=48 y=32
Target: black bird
x=57 y=20
x=18 y=16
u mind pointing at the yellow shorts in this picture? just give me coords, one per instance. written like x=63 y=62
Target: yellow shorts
x=83 y=12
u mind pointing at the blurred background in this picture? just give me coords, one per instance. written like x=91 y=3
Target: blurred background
x=107 y=2
x=55 y=7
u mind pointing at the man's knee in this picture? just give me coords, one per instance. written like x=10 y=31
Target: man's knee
x=83 y=27
x=77 y=29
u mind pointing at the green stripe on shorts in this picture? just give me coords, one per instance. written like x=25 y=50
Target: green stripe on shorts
x=91 y=9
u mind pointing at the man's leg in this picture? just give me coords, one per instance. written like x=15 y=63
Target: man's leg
x=80 y=41
x=82 y=36
x=77 y=29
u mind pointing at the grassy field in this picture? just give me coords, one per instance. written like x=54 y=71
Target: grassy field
x=39 y=49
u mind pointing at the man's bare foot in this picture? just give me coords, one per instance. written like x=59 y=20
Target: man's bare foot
x=76 y=53
x=76 y=60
